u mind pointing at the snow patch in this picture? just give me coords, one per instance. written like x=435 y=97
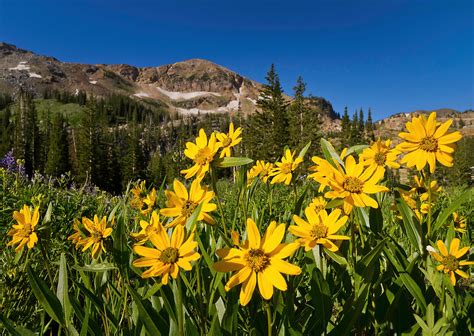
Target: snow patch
x=23 y=66
x=186 y=95
x=93 y=82
x=252 y=100
x=233 y=105
x=141 y=94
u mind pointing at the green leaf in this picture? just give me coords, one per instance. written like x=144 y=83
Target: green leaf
x=46 y=297
x=443 y=216
x=330 y=153
x=421 y=323
x=192 y=220
x=152 y=290
x=366 y=266
x=47 y=216
x=357 y=149
x=153 y=322
x=97 y=302
x=103 y=267
x=414 y=290
x=215 y=327
x=351 y=312
x=339 y=259
x=120 y=249
x=63 y=289
x=412 y=229
x=304 y=150
x=322 y=302
x=232 y=162
x=8 y=324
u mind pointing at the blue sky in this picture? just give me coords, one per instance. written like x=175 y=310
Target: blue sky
x=389 y=55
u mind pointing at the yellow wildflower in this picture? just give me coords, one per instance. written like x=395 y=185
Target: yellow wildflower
x=229 y=140
x=23 y=233
x=168 y=256
x=459 y=223
x=76 y=237
x=181 y=204
x=149 y=202
x=202 y=153
x=139 y=193
x=428 y=142
x=261 y=169
x=354 y=184
x=320 y=228
x=318 y=204
x=98 y=231
x=379 y=155
x=283 y=172
x=450 y=262
x=148 y=229
x=258 y=261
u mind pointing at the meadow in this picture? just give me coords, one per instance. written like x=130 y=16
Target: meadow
x=307 y=245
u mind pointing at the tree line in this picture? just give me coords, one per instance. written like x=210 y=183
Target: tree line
x=117 y=139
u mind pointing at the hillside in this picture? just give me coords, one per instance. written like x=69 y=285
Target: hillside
x=391 y=126
x=185 y=87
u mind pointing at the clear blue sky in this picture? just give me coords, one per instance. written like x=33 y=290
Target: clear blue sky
x=390 y=55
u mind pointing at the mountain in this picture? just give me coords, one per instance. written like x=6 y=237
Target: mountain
x=391 y=126
x=185 y=87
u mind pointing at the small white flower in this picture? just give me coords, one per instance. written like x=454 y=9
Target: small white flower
x=430 y=248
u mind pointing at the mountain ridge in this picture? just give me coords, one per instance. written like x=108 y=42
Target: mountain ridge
x=188 y=87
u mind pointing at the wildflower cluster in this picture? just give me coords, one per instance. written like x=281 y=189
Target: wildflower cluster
x=185 y=236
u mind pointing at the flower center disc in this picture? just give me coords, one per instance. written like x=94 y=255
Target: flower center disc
x=169 y=255
x=380 y=158
x=451 y=263
x=26 y=230
x=319 y=231
x=318 y=208
x=429 y=144
x=96 y=235
x=257 y=260
x=227 y=141
x=286 y=168
x=353 y=185
x=188 y=208
x=203 y=156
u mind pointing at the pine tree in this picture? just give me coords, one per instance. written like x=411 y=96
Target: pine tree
x=355 y=136
x=272 y=121
x=297 y=112
x=26 y=133
x=361 y=123
x=6 y=128
x=346 y=125
x=57 y=161
x=369 y=127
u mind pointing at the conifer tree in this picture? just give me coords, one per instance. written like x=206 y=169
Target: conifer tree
x=297 y=112
x=6 y=128
x=361 y=123
x=26 y=133
x=57 y=161
x=355 y=136
x=346 y=125
x=272 y=121
x=369 y=127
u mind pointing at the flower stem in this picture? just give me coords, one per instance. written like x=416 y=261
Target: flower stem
x=179 y=307
x=428 y=233
x=269 y=318
x=46 y=262
x=219 y=204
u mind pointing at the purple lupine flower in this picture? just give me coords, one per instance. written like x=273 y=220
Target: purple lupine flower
x=10 y=163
